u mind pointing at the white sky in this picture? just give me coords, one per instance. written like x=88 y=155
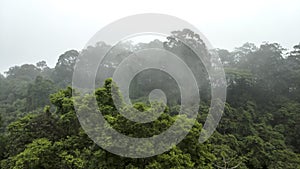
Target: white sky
x=35 y=30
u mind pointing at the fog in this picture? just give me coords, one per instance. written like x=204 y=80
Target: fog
x=34 y=30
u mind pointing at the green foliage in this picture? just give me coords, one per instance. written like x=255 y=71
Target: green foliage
x=36 y=155
x=259 y=128
x=38 y=93
x=62 y=74
x=29 y=128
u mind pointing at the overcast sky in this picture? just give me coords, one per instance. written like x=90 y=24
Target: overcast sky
x=35 y=30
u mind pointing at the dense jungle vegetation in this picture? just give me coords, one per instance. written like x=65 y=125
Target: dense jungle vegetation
x=259 y=127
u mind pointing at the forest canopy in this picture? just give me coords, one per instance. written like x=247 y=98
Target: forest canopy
x=259 y=127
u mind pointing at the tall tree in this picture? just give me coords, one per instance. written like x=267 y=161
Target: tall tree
x=63 y=72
